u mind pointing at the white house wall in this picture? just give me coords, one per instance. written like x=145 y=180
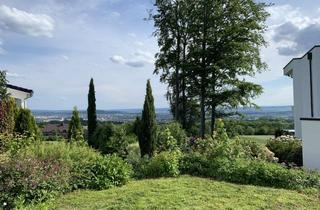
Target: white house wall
x=311 y=144
x=301 y=87
x=19 y=95
x=316 y=82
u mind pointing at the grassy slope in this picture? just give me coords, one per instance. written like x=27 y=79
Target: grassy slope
x=187 y=193
x=259 y=139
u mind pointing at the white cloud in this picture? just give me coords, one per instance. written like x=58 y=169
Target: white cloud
x=140 y=44
x=18 y=21
x=133 y=35
x=138 y=59
x=65 y=58
x=292 y=31
x=115 y=14
x=13 y=75
x=2 y=51
x=117 y=59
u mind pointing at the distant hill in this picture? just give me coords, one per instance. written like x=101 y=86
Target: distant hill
x=163 y=114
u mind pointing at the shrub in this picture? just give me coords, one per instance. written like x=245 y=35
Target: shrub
x=244 y=171
x=288 y=149
x=13 y=144
x=177 y=132
x=165 y=141
x=27 y=180
x=165 y=164
x=25 y=123
x=88 y=168
x=254 y=150
x=75 y=130
x=8 y=111
x=105 y=172
x=101 y=137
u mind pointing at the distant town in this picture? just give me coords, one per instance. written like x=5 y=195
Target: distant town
x=163 y=114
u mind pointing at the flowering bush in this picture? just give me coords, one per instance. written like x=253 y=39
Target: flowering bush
x=288 y=149
x=42 y=170
x=27 y=180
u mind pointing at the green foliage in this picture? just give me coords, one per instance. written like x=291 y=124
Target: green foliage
x=244 y=171
x=8 y=112
x=3 y=88
x=112 y=139
x=75 y=130
x=176 y=131
x=25 y=123
x=42 y=170
x=165 y=141
x=13 y=145
x=256 y=127
x=147 y=125
x=165 y=164
x=195 y=34
x=105 y=172
x=27 y=180
x=288 y=149
x=92 y=113
x=102 y=138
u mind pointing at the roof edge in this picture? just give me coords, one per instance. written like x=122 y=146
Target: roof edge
x=316 y=46
x=20 y=89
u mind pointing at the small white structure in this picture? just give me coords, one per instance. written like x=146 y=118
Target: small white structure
x=305 y=72
x=19 y=94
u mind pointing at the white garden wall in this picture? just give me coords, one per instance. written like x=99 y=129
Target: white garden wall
x=311 y=143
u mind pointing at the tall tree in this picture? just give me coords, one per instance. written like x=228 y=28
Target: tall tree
x=147 y=127
x=91 y=112
x=171 y=30
x=75 y=130
x=3 y=82
x=219 y=49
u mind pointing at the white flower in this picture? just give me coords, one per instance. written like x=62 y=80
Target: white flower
x=4 y=204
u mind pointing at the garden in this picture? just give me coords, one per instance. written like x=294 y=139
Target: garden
x=120 y=166
x=206 y=50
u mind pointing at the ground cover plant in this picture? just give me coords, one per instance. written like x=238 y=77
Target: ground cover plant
x=186 y=192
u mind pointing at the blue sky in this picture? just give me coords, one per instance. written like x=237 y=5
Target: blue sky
x=55 y=46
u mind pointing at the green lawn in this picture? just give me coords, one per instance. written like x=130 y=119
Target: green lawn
x=259 y=139
x=186 y=193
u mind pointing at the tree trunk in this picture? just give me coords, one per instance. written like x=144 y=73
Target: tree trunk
x=177 y=93
x=184 y=100
x=203 y=74
x=213 y=117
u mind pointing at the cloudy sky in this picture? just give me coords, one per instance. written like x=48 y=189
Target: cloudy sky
x=55 y=46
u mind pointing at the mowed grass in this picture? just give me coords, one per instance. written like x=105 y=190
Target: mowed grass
x=186 y=193
x=258 y=139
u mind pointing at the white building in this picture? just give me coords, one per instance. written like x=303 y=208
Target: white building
x=305 y=72
x=19 y=94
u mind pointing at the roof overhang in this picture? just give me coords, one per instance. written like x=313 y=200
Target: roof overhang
x=288 y=69
x=25 y=90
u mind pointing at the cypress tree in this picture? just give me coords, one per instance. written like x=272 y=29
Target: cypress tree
x=91 y=112
x=147 y=125
x=75 y=131
x=3 y=88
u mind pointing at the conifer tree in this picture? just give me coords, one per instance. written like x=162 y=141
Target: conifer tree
x=75 y=131
x=92 y=113
x=25 y=123
x=147 y=125
x=3 y=88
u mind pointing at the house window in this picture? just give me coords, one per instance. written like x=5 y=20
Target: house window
x=18 y=102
